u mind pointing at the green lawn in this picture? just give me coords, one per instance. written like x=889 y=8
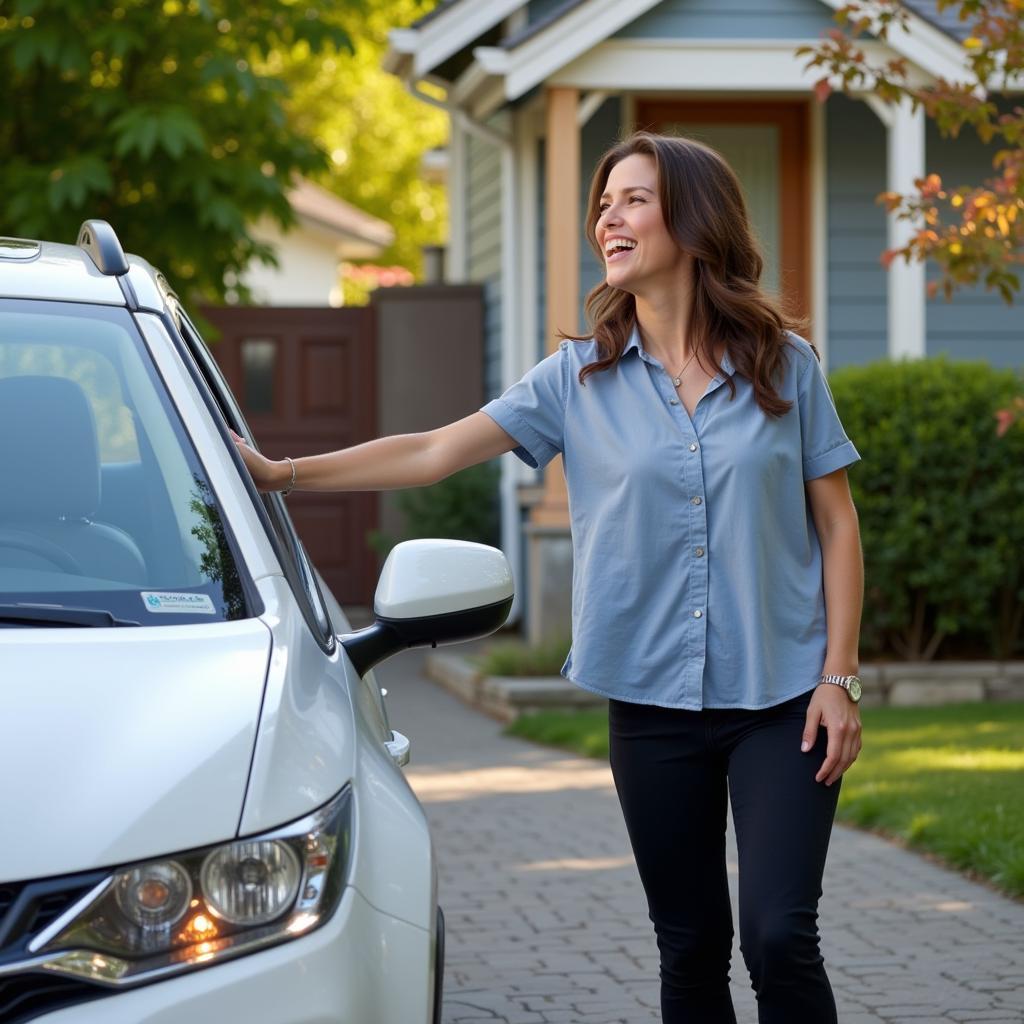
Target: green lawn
x=947 y=780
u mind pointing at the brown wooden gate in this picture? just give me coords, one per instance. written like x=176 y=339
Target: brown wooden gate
x=306 y=379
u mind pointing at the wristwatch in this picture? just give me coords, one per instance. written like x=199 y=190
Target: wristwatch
x=851 y=684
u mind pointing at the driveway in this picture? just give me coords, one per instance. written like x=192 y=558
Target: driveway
x=547 y=922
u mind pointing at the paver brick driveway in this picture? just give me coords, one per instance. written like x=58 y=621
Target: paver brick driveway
x=547 y=922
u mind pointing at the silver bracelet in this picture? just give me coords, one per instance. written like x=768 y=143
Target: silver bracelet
x=291 y=483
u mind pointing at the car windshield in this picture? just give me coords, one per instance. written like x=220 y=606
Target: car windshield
x=106 y=515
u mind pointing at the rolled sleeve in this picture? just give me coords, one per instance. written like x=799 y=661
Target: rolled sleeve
x=826 y=447
x=532 y=411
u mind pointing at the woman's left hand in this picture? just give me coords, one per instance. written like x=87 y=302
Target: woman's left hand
x=832 y=708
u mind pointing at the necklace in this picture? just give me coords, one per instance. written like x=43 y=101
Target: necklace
x=678 y=378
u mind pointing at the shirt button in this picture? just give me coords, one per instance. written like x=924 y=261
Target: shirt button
x=698 y=552
x=693 y=447
x=697 y=614
x=695 y=500
x=673 y=401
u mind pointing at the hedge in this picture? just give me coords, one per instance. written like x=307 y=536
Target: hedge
x=940 y=499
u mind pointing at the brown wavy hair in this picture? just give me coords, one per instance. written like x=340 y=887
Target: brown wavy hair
x=704 y=210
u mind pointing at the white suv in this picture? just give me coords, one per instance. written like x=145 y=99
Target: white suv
x=202 y=807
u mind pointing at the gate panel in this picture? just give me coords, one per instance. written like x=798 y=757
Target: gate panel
x=306 y=379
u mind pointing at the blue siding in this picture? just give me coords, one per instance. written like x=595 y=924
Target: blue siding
x=855 y=164
x=483 y=243
x=728 y=19
x=974 y=324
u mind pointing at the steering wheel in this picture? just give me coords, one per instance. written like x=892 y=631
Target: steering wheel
x=22 y=541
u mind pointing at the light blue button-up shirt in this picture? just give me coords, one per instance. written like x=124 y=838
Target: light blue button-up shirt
x=697 y=571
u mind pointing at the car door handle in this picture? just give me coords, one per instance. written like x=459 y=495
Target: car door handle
x=398 y=748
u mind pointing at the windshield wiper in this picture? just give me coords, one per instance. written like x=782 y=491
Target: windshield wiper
x=58 y=615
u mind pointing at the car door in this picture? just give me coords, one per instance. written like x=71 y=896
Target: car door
x=319 y=607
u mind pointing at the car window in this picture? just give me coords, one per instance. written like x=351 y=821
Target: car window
x=108 y=507
x=295 y=562
x=95 y=373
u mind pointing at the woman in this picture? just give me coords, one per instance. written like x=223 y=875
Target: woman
x=712 y=526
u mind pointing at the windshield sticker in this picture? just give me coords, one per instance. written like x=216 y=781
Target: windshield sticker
x=169 y=601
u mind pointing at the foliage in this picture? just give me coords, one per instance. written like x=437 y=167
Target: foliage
x=161 y=118
x=374 y=131
x=463 y=506
x=944 y=779
x=939 y=500
x=515 y=658
x=973 y=231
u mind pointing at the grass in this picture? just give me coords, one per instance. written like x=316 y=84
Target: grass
x=947 y=781
x=515 y=658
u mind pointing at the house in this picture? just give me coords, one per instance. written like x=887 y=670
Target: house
x=538 y=89
x=328 y=230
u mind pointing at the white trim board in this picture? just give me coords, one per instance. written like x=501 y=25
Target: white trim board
x=450 y=31
x=928 y=47
x=698 y=65
x=576 y=32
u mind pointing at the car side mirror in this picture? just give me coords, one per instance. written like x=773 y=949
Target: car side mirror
x=433 y=592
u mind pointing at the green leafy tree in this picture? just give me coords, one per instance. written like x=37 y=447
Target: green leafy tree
x=374 y=132
x=160 y=117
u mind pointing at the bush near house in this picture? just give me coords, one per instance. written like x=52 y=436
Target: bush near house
x=463 y=506
x=940 y=497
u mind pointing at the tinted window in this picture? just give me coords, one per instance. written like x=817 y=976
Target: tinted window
x=105 y=505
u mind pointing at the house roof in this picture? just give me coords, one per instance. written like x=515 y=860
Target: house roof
x=528 y=31
x=328 y=211
x=946 y=21
x=461 y=44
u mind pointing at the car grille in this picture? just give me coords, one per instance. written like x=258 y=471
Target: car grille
x=26 y=908
x=26 y=996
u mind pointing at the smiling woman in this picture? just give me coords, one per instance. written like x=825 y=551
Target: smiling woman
x=705 y=466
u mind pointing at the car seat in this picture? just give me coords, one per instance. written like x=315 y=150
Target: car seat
x=50 y=461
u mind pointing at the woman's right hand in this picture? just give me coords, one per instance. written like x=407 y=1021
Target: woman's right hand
x=266 y=474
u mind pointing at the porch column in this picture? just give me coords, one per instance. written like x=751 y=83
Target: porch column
x=907 y=294
x=549 y=542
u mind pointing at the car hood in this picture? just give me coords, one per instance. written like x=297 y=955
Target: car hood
x=123 y=744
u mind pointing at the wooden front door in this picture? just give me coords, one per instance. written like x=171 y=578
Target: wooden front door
x=767 y=145
x=307 y=382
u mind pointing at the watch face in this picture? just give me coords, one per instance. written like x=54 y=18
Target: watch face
x=855 y=688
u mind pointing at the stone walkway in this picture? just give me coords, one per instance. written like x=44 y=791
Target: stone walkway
x=547 y=923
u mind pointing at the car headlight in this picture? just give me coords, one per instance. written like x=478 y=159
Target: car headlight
x=164 y=916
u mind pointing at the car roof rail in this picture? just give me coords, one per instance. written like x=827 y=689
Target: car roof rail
x=100 y=241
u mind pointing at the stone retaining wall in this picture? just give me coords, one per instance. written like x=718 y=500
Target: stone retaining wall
x=897 y=683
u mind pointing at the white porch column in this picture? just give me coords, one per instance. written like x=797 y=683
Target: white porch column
x=511 y=329
x=906 y=155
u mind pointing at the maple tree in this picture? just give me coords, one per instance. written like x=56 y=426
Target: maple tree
x=973 y=231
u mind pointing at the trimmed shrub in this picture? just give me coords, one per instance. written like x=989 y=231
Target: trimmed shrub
x=940 y=499
x=463 y=506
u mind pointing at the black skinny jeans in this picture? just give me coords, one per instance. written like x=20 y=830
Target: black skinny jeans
x=671 y=769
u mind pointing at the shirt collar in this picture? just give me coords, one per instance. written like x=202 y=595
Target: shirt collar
x=636 y=344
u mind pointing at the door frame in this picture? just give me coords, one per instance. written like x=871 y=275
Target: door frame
x=793 y=119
